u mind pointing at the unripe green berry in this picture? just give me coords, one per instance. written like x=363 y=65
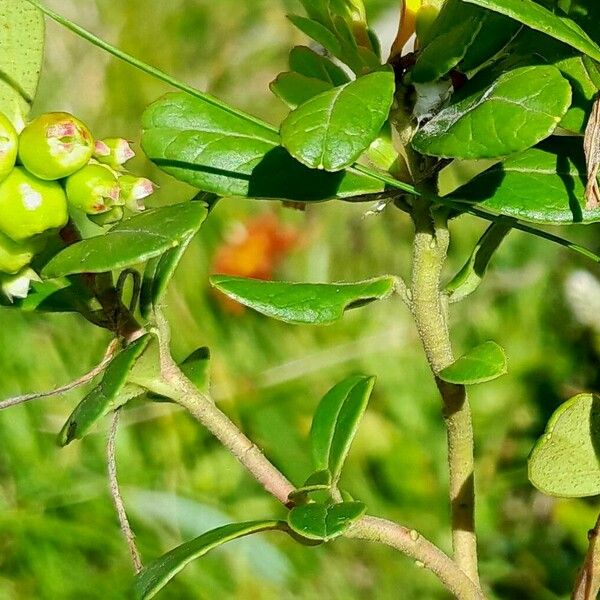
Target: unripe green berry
x=114 y=152
x=93 y=189
x=29 y=206
x=55 y=145
x=9 y=143
x=134 y=190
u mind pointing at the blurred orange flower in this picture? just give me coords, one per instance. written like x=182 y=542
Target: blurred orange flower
x=253 y=249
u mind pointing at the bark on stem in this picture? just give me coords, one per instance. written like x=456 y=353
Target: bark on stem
x=587 y=586
x=429 y=311
x=415 y=546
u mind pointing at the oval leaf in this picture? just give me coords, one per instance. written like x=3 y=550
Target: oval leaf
x=538 y=17
x=450 y=36
x=331 y=130
x=21 y=54
x=307 y=62
x=566 y=459
x=131 y=242
x=103 y=398
x=294 y=89
x=315 y=303
x=541 y=185
x=484 y=363
x=336 y=422
x=156 y=575
x=218 y=151
x=324 y=522
x=519 y=109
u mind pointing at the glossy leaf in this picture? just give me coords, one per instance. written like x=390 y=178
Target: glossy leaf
x=483 y=363
x=541 y=185
x=336 y=422
x=566 y=459
x=463 y=36
x=584 y=76
x=324 y=522
x=331 y=130
x=106 y=396
x=307 y=62
x=538 y=17
x=217 y=151
x=495 y=32
x=21 y=54
x=156 y=575
x=448 y=40
x=315 y=303
x=294 y=89
x=520 y=108
x=131 y=242
x=579 y=70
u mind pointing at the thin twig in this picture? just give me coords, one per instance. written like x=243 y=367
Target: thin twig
x=116 y=495
x=414 y=545
x=587 y=585
x=108 y=356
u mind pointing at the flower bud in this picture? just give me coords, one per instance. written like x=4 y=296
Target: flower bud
x=114 y=152
x=134 y=190
x=93 y=189
x=17 y=286
x=55 y=145
x=29 y=206
x=9 y=141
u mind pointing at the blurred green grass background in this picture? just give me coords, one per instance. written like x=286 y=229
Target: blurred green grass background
x=59 y=538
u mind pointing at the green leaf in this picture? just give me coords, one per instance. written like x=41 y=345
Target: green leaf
x=215 y=150
x=469 y=278
x=463 y=34
x=324 y=522
x=21 y=54
x=336 y=422
x=62 y=295
x=583 y=75
x=493 y=35
x=319 y=481
x=538 y=17
x=196 y=367
x=448 y=40
x=307 y=62
x=131 y=242
x=156 y=575
x=519 y=109
x=333 y=129
x=579 y=70
x=106 y=396
x=294 y=89
x=315 y=303
x=565 y=461
x=318 y=32
x=541 y=185
x=483 y=363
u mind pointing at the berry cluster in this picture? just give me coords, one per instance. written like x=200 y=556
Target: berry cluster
x=52 y=167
